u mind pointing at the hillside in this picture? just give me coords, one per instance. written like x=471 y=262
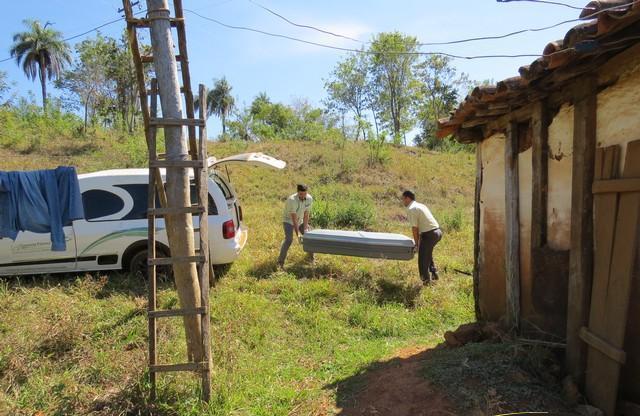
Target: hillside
x=283 y=343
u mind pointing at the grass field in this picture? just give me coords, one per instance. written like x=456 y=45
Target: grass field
x=283 y=342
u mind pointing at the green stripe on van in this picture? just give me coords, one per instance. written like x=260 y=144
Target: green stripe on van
x=132 y=232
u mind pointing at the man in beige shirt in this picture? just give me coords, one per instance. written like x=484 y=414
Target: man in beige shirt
x=295 y=219
x=426 y=234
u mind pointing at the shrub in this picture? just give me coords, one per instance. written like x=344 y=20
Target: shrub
x=453 y=221
x=338 y=209
x=27 y=127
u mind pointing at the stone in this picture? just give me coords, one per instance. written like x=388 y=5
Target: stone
x=586 y=410
x=570 y=391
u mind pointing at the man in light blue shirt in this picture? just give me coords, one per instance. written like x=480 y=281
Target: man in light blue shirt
x=295 y=218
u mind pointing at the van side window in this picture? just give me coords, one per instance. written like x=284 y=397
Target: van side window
x=140 y=193
x=99 y=203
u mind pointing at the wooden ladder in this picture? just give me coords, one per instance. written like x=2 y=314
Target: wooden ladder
x=198 y=162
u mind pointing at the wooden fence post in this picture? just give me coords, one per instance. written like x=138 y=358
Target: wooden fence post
x=512 y=226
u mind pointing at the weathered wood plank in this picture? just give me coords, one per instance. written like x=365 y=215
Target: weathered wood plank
x=614 y=289
x=151 y=236
x=605 y=208
x=166 y=261
x=166 y=368
x=204 y=268
x=476 y=232
x=177 y=210
x=603 y=346
x=581 y=258
x=512 y=227
x=617 y=186
x=540 y=161
x=176 y=312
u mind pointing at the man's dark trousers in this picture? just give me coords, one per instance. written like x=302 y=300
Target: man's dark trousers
x=428 y=241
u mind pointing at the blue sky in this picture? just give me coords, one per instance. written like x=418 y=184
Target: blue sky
x=288 y=70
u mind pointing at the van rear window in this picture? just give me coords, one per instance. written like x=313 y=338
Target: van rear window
x=223 y=186
x=99 y=203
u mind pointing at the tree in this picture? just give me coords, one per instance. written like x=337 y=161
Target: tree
x=393 y=65
x=347 y=89
x=219 y=102
x=259 y=103
x=122 y=71
x=4 y=89
x=42 y=52
x=441 y=88
x=241 y=126
x=90 y=78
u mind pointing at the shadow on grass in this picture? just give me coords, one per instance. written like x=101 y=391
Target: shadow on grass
x=480 y=378
x=395 y=387
x=302 y=270
x=131 y=399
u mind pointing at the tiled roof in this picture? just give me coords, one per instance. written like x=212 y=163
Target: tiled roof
x=610 y=27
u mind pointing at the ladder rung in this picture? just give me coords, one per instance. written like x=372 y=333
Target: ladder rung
x=176 y=122
x=163 y=156
x=176 y=164
x=198 y=367
x=176 y=312
x=165 y=261
x=148 y=59
x=177 y=210
x=145 y=22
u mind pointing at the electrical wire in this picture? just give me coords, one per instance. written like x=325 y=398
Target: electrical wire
x=540 y=29
x=317 y=29
x=474 y=39
x=555 y=3
x=339 y=48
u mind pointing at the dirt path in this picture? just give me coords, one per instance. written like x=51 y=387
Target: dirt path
x=397 y=388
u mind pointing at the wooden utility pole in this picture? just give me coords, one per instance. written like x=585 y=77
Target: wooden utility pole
x=179 y=226
x=581 y=258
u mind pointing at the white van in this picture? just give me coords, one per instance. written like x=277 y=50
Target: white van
x=113 y=235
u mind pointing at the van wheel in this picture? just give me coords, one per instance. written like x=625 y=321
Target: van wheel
x=221 y=270
x=138 y=266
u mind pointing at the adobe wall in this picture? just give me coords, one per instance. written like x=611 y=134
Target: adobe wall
x=492 y=277
x=544 y=289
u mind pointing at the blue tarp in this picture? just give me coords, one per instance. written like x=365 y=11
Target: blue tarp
x=41 y=201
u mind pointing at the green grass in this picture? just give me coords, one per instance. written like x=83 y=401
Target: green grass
x=77 y=344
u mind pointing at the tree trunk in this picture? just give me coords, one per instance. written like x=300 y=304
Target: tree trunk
x=86 y=111
x=179 y=227
x=375 y=122
x=43 y=82
x=224 y=125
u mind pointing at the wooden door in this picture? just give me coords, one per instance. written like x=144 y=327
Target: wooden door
x=616 y=235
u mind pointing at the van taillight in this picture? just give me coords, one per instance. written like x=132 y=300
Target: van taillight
x=228 y=229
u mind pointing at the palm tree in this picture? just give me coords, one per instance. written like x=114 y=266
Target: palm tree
x=219 y=102
x=42 y=52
